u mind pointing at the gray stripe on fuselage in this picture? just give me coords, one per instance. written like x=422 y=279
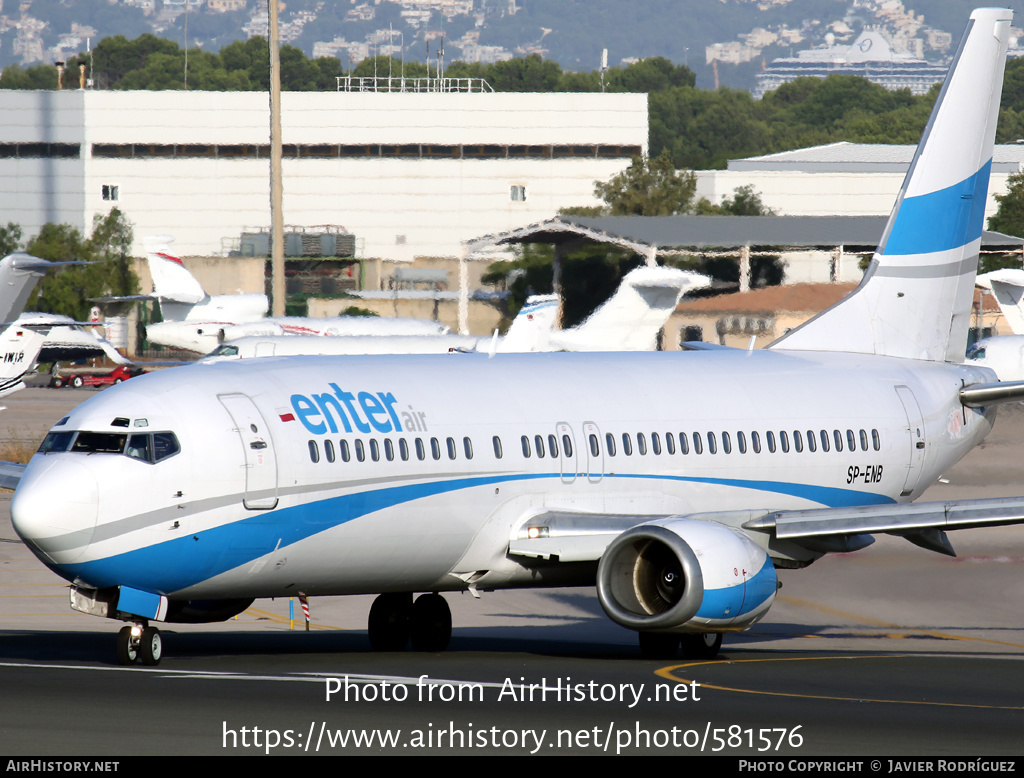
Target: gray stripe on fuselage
x=129 y=524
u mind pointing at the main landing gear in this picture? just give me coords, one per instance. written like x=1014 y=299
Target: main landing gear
x=395 y=619
x=139 y=642
x=665 y=645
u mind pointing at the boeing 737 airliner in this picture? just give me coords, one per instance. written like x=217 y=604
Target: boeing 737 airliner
x=677 y=482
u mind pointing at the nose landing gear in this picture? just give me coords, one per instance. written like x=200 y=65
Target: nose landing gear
x=139 y=642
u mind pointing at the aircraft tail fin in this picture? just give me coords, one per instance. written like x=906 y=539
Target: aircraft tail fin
x=916 y=295
x=1008 y=288
x=532 y=327
x=631 y=318
x=19 y=274
x=172 y=281
x=19 y=350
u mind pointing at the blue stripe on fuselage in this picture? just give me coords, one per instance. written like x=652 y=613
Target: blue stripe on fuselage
x=942 y=220
x=177 y=564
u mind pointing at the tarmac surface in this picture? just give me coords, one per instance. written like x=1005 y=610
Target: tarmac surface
x=892 y=650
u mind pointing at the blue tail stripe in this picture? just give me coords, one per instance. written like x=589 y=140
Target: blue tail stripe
x=942 y=220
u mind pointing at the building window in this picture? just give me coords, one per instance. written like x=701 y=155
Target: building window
x=517 y=193
x=110 y=192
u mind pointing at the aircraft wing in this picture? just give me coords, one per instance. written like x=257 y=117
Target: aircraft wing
x=10 y=474
x=565 y=536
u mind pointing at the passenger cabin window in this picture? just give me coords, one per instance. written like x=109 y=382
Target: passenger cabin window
x=684 y=444
x=670 y=443
x=403 y=449
x=435 y=448
x=811 y=443
x=497 y=447
x=450 y=443
x=755 y=442
x=567 y=445
x=609 y=442
x=594 y=445
x=328 y=450
x=526 y=446
x=374 y=450
x=698 y=447
x=627 y=444
x=467 y=447
x=553 y=446
x=741 y=442
x=641 y=444
x=712 y=443
x=314 y=453
x=421 y=452
x=345 y=453
x=876 y=441
x=726 y=443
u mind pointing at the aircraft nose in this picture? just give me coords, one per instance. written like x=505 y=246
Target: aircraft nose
x=55 y=507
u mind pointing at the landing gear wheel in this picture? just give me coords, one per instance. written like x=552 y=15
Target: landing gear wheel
x=77 y=382
x=127 y=647
x=389 y=622
x=703 y=646
x=58 y=383
x=151 y=646
x=658 y=645
x=431 y=623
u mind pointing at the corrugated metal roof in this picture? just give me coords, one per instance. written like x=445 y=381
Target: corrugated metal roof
x=729 y=231
x=863 y=157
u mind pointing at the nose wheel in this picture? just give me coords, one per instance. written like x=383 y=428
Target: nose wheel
x=139 y=643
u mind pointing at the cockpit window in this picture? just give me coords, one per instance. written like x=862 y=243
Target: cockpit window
x=165 y=444
x=976 y=352
x=99 y=443
x=146 y=447
x=224 y=350
x=56 y=441
x=139 y=447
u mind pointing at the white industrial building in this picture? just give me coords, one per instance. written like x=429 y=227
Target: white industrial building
x=409 y=174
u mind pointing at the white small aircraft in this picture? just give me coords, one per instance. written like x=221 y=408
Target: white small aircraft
x=196 y=321
x=28 y=338
x=628 y=321
x=677 y=482
x=1003 y=353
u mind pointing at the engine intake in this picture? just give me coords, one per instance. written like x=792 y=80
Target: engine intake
x=650 y=579
x=685 y=575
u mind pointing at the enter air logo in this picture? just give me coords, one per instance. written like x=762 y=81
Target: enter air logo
x=361 y=412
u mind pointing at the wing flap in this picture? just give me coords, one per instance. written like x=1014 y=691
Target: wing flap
x=896 y=519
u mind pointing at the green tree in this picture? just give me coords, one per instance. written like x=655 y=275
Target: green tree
x=649 y=187
x=1009 y=216
x=107 y=269
x=35 y=77
x=10 y=239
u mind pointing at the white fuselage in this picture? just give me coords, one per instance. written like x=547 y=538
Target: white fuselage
x=253 y=505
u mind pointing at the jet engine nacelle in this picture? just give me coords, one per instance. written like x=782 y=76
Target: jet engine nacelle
x=685 y=575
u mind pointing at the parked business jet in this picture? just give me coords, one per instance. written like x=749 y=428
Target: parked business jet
x=677 y=482
x=28 y=338
x=628 y=321
x=1003 y=353
x=196 y=321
